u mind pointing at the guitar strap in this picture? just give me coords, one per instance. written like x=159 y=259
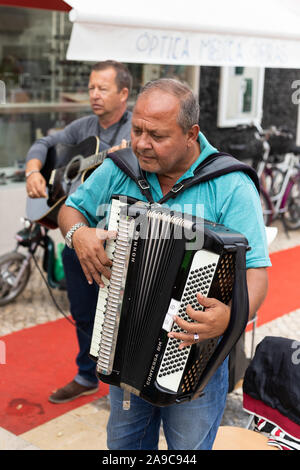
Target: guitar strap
x=117 y=130
x=215 y=165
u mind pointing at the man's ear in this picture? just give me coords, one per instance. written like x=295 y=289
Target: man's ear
x=124 y=93
x=192 y=134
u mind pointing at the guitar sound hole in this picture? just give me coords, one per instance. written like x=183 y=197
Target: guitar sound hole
x=72 y=169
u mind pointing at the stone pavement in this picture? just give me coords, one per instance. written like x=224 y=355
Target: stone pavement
x=84 y=428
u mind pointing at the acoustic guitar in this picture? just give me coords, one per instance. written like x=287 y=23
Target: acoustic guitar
x=66 y=167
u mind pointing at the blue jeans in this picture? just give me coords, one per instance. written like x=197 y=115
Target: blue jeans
x=191 y=425
x=83 y=301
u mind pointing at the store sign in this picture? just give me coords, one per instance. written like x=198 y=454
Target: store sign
x=210 y=49
x=94 y=42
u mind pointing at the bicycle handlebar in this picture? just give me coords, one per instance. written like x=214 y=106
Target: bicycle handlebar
x=265 y=134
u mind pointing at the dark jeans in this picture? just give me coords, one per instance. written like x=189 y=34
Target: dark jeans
x=83 y=301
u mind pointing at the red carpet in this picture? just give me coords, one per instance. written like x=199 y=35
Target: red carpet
x=284 y=286
x=38 y=360
x=41 y=359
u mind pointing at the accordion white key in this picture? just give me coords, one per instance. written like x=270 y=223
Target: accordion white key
x=161 y=260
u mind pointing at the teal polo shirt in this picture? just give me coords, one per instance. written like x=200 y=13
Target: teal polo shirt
x=231 y=200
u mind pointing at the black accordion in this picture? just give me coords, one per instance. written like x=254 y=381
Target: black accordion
x=161 y=259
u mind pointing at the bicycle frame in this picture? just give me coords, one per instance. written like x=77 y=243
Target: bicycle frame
x=279 y=200
x=278 y=205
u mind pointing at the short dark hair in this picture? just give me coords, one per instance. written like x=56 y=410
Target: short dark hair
x=189 y=107
x=123 y=76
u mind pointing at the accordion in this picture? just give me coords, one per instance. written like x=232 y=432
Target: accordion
x=160 y=260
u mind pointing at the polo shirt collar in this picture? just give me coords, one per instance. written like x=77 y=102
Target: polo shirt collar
x=206 y=150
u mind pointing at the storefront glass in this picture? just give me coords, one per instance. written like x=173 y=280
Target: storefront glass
x=44 y=91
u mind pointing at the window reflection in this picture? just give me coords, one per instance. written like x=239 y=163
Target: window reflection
x=43 y=90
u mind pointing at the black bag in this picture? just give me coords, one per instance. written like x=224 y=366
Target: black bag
x=273 y=376
x=244 y=145
x=281 y=144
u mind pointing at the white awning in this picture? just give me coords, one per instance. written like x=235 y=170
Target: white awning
x=262 y=33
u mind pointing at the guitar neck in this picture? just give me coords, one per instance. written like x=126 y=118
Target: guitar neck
x=97 y=158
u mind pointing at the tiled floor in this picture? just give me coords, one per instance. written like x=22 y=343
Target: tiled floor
x=81 y=429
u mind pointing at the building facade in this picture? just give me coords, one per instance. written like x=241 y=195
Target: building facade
x=41 y=92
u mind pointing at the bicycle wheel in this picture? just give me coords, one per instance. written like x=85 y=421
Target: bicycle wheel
x=266 y=205
x=291 y=216
x=10 y=265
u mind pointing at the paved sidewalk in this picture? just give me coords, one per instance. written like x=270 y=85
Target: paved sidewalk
x=8 y=441
x=84 y=428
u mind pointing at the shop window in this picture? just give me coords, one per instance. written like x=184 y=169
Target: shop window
x=240 y=96
x=40 y=90
x=187 y=74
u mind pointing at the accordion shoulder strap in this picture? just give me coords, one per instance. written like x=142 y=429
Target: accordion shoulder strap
x=126 y=160
x=213 y=166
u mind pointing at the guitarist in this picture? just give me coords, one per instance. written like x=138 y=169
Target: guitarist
x=109 y=88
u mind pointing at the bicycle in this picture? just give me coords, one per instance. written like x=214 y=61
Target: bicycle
x=278 y=172
x=280 y=190
x=15 y=267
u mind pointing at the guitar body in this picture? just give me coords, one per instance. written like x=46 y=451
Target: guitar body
x=66 y=167
x=58 y=184
x=66 y=176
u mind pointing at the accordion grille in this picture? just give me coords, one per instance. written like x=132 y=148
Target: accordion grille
x=155 y=256
x=225 y=276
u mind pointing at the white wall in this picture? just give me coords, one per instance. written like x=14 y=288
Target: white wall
x=12 y=208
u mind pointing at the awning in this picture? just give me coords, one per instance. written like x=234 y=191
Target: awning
x=56 y=5
x=262 y=33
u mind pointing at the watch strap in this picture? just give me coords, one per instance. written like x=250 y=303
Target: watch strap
x=70 y=233
x=28 y=173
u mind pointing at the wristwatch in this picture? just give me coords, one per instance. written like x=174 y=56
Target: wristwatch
x=28 y=173
x=69 y=235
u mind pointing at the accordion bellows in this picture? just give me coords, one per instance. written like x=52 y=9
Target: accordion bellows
x=161 y=260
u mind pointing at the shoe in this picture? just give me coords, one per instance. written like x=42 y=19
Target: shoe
x=70 y=392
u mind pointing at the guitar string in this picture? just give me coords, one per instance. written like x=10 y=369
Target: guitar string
x=93 y=160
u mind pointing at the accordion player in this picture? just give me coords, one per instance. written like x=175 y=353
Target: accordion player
x=160 y=260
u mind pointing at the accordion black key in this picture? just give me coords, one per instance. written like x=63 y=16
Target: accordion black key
x=161 y=259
